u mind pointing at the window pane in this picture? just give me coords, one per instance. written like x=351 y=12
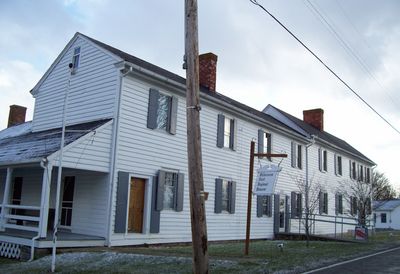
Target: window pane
x=163 y=111
x=170 y=182
x=266 y=141
x=264 y=205
x=227 y=132
x=339 y=165
x=225 y=196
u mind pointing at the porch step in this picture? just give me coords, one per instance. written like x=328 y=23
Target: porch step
x=9 y=250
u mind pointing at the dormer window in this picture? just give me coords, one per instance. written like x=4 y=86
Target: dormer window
x=76 y=58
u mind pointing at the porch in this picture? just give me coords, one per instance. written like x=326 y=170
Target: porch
x=65 y=238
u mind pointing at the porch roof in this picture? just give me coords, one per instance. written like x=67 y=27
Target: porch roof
x=18 y=144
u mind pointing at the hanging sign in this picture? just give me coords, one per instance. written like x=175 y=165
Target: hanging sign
x=266 y=179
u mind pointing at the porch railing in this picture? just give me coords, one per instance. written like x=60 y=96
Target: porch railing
x=23 y=220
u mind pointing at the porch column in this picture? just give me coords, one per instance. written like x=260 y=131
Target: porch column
x=6 y=198
x=45 y=198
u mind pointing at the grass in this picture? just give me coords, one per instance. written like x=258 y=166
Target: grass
x=264 y=257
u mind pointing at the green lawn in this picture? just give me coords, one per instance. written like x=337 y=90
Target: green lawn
x=264 y=257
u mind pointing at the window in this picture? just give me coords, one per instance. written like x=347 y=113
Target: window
x=226 y=132
x=264 y=206
x=353 y=205
x=361 y=173
x=296 y=205
x=225 y=196
x=264 y=142
x=162 y=111
x=170 y=190
x=323 y=203
x=353 y=169
x=323 y=160
x=338 y=165
x=383 y=218
x=367 y=175
x=76 y=58
x=296 y=154
x=339 y=204
x=171 y=181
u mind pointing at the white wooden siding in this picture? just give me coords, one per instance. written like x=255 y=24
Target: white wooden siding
x=91 y=152
x=89 y=212
x=92 y=91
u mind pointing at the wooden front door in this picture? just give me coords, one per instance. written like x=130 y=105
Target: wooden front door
x=136 y=205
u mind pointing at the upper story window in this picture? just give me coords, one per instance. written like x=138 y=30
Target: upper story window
x=296 y=154
x=323 y=160
x=367 y=175
x=338 y=165
x=264 y=142
x=352 y=170
x=162 y=111
x=76 y=58
x=225 y=196
x=361 y=173
x=226 y=132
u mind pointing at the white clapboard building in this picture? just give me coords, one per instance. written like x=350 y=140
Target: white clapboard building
x=124 y=167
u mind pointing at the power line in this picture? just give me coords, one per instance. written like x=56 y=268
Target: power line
x=325 y=65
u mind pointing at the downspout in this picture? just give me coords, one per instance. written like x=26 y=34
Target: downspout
x=307 y=188
x=113 y=155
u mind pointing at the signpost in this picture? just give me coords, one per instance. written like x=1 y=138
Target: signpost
x=265 y=184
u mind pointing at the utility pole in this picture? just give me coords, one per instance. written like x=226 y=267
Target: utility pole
x=196 y=186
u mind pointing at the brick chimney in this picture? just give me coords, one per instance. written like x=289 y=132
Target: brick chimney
x=16 y=115
x=208 y=70
x=315 y=118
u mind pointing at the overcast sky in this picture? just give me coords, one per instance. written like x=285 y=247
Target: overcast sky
x=258 y=62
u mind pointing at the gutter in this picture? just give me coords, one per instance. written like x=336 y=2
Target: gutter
x=211 y=100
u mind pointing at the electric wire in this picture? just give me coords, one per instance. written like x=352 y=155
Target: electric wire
x=325 y=65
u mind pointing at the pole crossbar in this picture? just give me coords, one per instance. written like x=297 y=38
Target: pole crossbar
x=249 y=196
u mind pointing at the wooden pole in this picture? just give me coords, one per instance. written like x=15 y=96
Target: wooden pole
x=196 y=187
x=249 y=196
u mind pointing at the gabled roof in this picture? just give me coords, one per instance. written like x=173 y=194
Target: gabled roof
x=304 y=128
x=18 y=144
x=386 y=205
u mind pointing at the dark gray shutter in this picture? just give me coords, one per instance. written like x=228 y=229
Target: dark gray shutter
x=293 y=212
x=179 y=192
x=160 y=190
x=336 y=204
x=220 y=130
x=269 y=206
x=287 y=222
x=299 y=204
x=321 y=202
x=351 y=205
x=341 y=204
x=269 y=149
x=335 y=166
x=350 y=169
x=232 y=135
x=153 y=108
x=121 y=210
x=154 y=213
x=276 y=213
x=218 y=196
x=261 y=141
x=319 y=159
x=232 y=196
x=173 y=115
x=293 y=154
x=260 y=205
x=326 y=203
x=299 y=157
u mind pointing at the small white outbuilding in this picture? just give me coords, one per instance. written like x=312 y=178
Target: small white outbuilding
x=387 y=214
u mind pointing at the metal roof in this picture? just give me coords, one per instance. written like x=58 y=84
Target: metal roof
x=386 y=205
x=31 y=146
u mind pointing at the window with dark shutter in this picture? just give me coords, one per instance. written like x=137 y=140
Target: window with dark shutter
x=162 y=111
x=296 y=155
x=225 y=196
x=170 y=187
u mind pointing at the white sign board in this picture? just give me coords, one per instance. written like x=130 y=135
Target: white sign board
x=266 y=179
